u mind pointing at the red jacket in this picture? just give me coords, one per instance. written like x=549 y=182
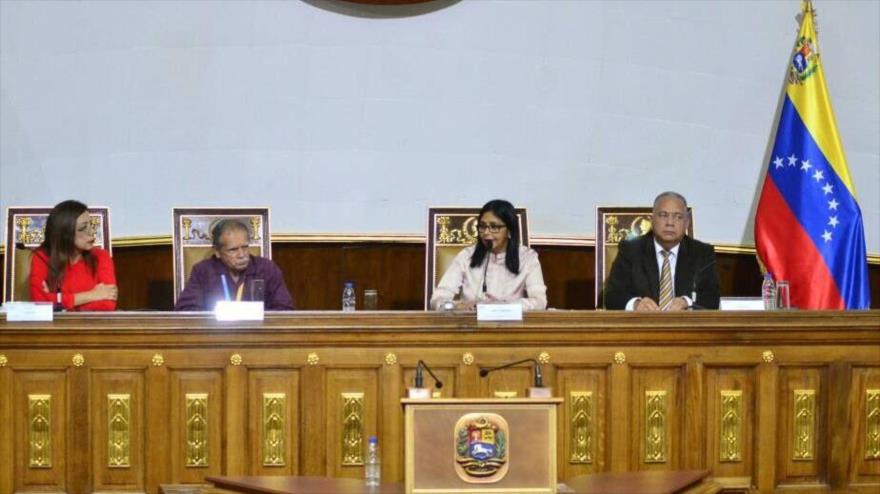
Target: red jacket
x=78 y=278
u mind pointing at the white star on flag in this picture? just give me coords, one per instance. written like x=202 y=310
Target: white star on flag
x=818 y=175
x=828 y=188
x=827 y=236
x=805 y=165
x=832 y=204
x=778 y=162
x=833 y=221
x=792 y=160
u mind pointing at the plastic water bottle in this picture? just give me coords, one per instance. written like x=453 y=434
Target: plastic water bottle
x=372 y=463
x=768 y=292
x=348 y=300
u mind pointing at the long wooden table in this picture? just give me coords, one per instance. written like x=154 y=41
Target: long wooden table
x=128 y=401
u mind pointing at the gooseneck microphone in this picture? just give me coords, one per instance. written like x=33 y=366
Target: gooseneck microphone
x=419 y=380
x=488 y=244
x=696 y=280
x=539 y=378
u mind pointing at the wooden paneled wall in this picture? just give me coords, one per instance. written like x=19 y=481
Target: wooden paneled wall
x=315 y=273
x=775 y=402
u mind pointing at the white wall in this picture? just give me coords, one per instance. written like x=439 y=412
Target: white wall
x=343 y=123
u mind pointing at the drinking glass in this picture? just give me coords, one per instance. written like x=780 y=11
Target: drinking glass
x=371 y=299
x=257 y=290
x=783 y=295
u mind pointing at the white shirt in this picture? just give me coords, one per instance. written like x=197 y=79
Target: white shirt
x=527 y=287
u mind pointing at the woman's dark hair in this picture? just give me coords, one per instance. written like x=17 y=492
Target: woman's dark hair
x=507 y=214
x=58 y=241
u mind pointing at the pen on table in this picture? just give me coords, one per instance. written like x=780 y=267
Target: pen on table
x=225 y=287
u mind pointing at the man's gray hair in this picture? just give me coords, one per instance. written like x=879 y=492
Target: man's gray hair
x=674 y=195
x=227 y=225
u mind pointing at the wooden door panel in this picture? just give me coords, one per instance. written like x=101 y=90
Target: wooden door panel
x=582 y=420
x=117 y=417
x=657 y=414
x=273 y=421
x=351 y=417
x=195 y=424
x=41 y=425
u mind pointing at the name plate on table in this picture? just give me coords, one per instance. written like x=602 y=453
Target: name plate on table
x=742 y=303
x=499 y=312
x=28 y=311
x=238 y=311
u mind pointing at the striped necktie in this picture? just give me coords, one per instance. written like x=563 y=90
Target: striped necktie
x=665 y=282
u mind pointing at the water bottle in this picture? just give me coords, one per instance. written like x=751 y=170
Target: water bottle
x=348 y=300
x=768 y=292
x=372 y=463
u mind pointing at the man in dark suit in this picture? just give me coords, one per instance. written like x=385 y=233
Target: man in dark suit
x=664 y=269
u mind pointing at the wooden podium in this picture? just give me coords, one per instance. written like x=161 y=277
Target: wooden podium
x=479 y=446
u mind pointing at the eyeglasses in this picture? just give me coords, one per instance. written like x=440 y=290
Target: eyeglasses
x=492 y=227
x=665 y=215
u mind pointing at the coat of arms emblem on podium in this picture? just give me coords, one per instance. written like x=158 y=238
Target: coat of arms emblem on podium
x=482 y=444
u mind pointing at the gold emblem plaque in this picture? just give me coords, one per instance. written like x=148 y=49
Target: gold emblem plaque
x=482 y=448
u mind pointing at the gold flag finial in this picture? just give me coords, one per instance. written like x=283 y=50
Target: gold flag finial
x=807 y=8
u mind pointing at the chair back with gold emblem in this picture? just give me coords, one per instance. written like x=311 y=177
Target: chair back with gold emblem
x=614 y=224
x=451 y=229
x=25 y=228
x=192 y=242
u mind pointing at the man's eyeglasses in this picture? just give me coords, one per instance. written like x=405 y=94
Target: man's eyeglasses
x=665 y=215
x=492 y=227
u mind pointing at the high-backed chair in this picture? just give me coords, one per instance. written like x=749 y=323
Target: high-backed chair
x=451 y=229
x=614 y=224
x=25 y=226
x=192 y=242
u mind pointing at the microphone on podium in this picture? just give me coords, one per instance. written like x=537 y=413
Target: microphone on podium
x=419 y=380
x=538 y=380
x=488 y=244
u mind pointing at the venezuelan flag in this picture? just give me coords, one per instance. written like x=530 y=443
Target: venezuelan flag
x=808 y=227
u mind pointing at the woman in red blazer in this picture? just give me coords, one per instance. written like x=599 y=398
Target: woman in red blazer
x=67 y=269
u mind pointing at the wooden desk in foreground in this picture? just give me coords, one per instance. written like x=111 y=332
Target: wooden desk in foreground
x=128 y=401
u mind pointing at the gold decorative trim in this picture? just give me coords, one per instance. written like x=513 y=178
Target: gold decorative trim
x=390 y=358
x=408 y=238
x=768 y=356
x=3 y=360
x=40 y=431
x=581 y=427
x=78 y=360
x=352 y=429
x=655 y=426
x=158 y=360
x=730 y=426
x=119 y=430
x=274 y=413
x=467 y=358
x=619 y=358
x=235 y=359
x=142 y=241
x=313 y=359
x=197 y=429
x=804 y=437
x=544 y=358
x=872 y=424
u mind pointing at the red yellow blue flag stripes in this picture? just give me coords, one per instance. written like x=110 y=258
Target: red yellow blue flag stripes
x=808 y=227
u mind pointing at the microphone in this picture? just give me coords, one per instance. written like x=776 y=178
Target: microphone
x=488 y=244
x=696 y=279
x=419 y=380
x=539 y=378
